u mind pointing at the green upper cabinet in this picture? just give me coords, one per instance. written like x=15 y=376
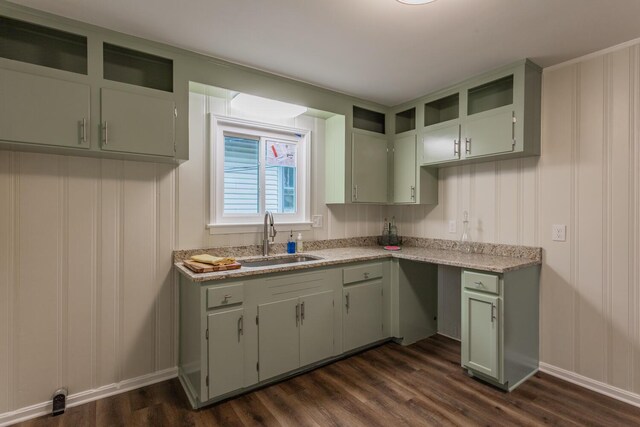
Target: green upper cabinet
x=137 y=123
x=369 y=167
x=44 y=111
x=66 y=86
x=404 y=169
x=493 y=116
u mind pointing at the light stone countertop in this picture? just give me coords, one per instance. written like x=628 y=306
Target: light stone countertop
x=336 y=256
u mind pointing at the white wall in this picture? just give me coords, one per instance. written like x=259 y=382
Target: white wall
x=588 y=178
x=86 y=297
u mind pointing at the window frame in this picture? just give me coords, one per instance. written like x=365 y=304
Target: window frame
x=219 y=223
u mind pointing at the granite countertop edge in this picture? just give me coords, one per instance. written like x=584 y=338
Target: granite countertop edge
x=337 y=256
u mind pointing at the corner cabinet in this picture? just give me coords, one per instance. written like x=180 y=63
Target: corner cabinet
x=500 y=325
x=70 y=89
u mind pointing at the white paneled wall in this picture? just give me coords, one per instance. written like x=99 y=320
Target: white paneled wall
x=193 y=185
x=86 y=296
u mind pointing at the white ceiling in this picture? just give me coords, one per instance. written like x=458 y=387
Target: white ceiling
x=379 y=50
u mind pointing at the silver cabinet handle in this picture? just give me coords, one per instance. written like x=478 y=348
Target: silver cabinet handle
x=355 y=192
x=347 y=301
x=513 y=130
x=493 y=313
x=413 y=193
x=479 y=283
x=297 y=314
x=456 y=148
x=83 y=130
x=105 y=135
x=467 y=145
x=366 y=275
x=302 y=312
x=240 y=326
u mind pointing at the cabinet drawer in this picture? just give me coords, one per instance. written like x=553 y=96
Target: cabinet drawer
x=225 y=295
x=361 y=272
x=481 y=282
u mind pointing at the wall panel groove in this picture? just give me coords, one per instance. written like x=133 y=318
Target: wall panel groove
x=575 y=172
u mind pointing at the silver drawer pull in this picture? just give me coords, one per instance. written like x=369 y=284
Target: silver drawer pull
x=366 y=275
x=479 y=283
x=105 y=130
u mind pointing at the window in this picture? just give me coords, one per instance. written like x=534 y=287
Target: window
x=257 y=167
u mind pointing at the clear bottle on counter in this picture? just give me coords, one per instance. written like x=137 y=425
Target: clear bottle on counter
x=465 y=239
x=393 y=232
x=384 y=239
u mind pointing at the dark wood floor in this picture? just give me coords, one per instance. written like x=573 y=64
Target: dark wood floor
x=391 y=385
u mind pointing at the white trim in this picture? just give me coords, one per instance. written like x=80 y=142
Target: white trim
x=215 y=229
x=591 y=384
x=86 y=396
x=593 y=54
x=218 y=125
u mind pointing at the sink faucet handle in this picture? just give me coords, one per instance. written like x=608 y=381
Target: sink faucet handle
x=273 y=232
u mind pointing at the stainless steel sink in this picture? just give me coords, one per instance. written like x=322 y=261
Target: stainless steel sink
x=278 y=261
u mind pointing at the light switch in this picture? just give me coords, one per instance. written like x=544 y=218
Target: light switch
x=317 y=221
x=452 y=226
x=559 y=232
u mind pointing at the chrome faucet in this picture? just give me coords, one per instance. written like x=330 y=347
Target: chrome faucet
x=268 y=232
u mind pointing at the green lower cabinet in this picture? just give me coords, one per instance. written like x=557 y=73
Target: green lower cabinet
x=362 y=314
x=481 y=349
x=226 y=351
x=499 y=330
x=294 y=332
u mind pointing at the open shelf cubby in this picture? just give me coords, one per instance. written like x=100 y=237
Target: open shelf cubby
x=372 y=121
x=488 y=96
x=40 y=45
x=137 y=68
x=406 y=120
x=442 y=110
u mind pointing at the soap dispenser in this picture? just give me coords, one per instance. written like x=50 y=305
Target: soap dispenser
x=299 y=245
x=291 y=244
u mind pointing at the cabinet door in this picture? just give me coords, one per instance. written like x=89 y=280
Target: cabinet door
x=441 y=143
x=226 y=352
x=41 y=110
x=404 y=170
x=134 y=123
x=278 y=338
x=316 y=327
x=480 y=333
x=489 y=133
x=369 y=168
x=362 y=314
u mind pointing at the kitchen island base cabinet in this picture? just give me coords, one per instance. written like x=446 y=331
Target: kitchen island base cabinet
x=500 y=332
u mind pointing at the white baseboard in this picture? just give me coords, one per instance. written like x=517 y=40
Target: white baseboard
x=76 y=399
x=597 y=386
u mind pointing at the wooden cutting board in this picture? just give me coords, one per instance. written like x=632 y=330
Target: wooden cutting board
x=199 y=267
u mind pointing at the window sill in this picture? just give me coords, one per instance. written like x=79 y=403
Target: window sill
x=215 y=229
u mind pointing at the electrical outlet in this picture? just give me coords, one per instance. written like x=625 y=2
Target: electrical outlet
x=316 y=221
x=559 y=232
x=452 y=226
